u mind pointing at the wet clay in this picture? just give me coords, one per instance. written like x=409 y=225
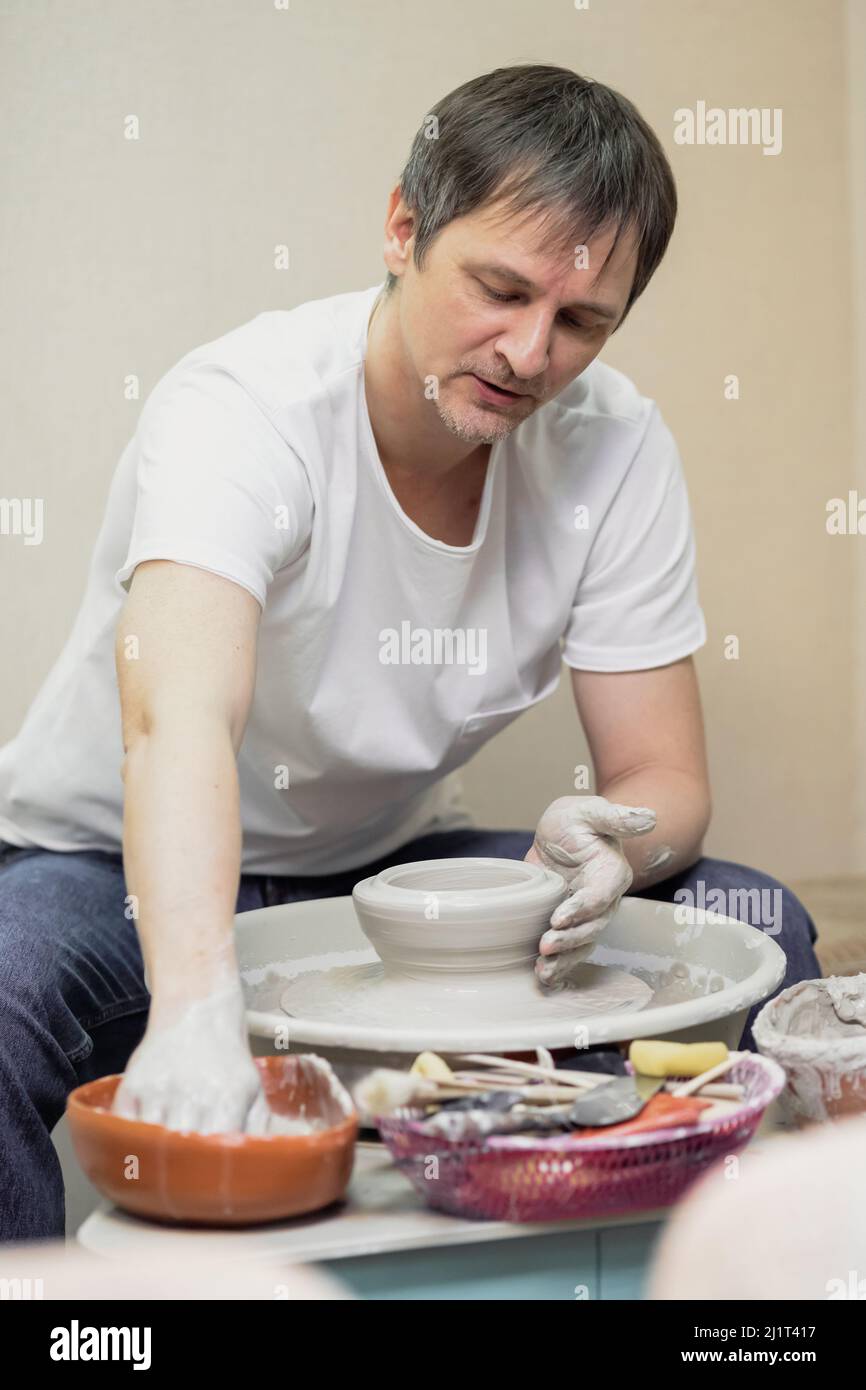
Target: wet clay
x=364 y=994
x=816 y=1030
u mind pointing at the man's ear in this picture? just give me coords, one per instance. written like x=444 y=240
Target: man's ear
x=399 y=233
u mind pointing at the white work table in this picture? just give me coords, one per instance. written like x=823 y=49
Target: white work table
x=385 y=1243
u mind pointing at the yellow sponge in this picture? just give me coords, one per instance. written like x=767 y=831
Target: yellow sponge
x=431 y=1066
x=655 y=1057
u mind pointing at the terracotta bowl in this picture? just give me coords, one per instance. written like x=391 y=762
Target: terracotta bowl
x=221 y=1179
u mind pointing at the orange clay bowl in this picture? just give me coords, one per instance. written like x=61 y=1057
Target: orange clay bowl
x=221 y=1179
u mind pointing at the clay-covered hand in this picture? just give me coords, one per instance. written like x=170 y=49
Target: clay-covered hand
x=579 y=837
x=193 y=1069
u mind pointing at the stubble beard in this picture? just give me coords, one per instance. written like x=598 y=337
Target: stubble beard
x=472 y=424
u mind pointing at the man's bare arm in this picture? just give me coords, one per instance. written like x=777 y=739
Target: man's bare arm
x=646 y=737
x=185 y=656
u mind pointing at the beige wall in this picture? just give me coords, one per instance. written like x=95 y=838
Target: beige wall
x=260 y=126
x=855 y=40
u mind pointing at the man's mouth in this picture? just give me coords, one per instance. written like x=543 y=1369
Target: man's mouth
x=493 y=392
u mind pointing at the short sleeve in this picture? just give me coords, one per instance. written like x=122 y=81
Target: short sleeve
x=636 y=604
x=217 y=486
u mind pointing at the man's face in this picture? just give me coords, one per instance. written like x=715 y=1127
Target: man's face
x=494 y=302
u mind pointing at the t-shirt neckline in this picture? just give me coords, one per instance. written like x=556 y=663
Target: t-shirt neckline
x=372 y=453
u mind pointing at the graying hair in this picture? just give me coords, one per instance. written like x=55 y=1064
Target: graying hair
x=543 y=140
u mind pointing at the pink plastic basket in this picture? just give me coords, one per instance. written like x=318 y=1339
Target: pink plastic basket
x=504 y=1178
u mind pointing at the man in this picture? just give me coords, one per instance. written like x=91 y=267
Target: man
x=346 y=546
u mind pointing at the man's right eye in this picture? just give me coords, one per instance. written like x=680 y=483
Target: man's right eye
x=496 y=294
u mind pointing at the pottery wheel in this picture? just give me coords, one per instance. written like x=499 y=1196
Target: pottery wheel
x=352 y=993
x=665 y=979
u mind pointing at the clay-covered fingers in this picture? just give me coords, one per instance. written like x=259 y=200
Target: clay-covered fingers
x=126 y=1102
x=258 y=1121
x=610 y=878
x=557 y=940
x=179 y=1106
x=610 y=818
x=188 y=1076
x=554 y=970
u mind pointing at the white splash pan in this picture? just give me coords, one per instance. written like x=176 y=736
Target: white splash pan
x=704 y=973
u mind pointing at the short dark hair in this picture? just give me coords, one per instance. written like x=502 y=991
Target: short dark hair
x=544 y=140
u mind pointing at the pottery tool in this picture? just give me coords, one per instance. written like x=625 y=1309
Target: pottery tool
x=507 y=1098
x=384 y=1091
x=607 y=1061
x=609 y=1100
x=480 y=1124
x=614 y=1101
x=490 y=1100
x=661 y=1111
x=512 y=1097
x=548 y=1176
x=507 y=1089
x=715 y=1090
x=563 y=1077
x=718 y=1109
x=699 y=1082
x=501 y=1075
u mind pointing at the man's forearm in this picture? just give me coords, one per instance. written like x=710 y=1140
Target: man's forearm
x=682 y=806
x=182 y=852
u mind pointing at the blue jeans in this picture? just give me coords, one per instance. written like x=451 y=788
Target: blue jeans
x=73 y=1002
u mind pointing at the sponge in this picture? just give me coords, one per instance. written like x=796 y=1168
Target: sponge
x=431 y=1066
x=655 y=1057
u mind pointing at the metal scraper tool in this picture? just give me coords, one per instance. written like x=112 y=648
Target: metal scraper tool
x=614 y=1101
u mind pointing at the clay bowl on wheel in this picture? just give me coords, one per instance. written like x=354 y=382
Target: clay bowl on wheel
x=222 y=1179
x=450 y=920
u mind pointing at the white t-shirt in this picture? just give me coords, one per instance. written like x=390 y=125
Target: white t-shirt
x=385 y=658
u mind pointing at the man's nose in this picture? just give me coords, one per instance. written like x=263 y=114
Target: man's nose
x=526 y=343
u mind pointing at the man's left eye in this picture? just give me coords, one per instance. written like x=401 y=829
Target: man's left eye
x=506 y=299
x=495 y=294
